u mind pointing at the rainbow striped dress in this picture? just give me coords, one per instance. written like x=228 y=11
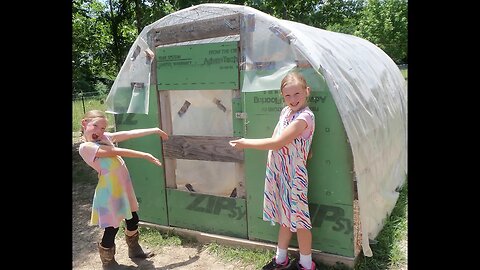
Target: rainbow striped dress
x=286 y=181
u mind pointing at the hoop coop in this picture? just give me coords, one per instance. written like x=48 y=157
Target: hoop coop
x=211 y=73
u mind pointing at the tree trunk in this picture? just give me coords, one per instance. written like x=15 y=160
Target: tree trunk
x=138 y=15
x=114 y=29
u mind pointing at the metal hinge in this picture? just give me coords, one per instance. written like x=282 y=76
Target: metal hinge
x=241 y=115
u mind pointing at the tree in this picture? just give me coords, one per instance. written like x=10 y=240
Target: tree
x=104 y=30
x=337 y=15
x=90 y=39
x=385 y=23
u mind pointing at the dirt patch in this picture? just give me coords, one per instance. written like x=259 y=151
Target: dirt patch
x=84 y=238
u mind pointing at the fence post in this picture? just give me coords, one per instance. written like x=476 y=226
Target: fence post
x=83 y=102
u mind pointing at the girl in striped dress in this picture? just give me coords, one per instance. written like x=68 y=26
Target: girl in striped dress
x=286 y=180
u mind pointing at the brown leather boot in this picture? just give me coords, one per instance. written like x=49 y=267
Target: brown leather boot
x=107 y=256
x=134 y=249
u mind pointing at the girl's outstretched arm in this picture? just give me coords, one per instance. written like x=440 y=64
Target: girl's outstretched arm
x=293 y=130
x=110 y=151
x=135 y=133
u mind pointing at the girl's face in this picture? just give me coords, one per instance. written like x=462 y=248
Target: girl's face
x=295 y=96
x=93 y=129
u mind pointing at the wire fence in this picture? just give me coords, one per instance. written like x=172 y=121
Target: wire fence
x=84 y=98
x=84 y=103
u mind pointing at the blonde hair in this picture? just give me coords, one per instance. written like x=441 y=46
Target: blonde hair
x=92 y=114
x=293 y=78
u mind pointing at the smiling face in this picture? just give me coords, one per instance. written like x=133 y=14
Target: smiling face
x=295 y=91
x=93 y=128
x=295 y=96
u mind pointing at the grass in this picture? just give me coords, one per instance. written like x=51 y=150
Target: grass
x=405 y=73
x=156 y=238
x=256 y=257
x=390 y=250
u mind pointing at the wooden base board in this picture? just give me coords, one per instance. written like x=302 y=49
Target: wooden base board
x=325 y=258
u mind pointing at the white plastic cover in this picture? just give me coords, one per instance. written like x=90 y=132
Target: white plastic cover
x=367 y=86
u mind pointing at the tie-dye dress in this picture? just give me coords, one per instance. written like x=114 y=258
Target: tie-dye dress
x=114 y=198
x=286 y=181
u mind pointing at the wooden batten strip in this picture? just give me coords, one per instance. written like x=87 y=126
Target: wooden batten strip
x=200 y=29
x=201 y=148
x=170 y=165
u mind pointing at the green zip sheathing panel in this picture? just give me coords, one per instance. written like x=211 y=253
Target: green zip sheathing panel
x=201 y=66
x=207 y=213
x=148 y=179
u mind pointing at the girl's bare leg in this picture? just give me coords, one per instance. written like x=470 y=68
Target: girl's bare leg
x=304 y=241
x=284 y=236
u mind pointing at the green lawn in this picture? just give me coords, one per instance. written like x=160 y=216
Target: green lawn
x=405 y=73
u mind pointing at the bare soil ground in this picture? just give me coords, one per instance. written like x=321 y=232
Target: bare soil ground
x=84 y=238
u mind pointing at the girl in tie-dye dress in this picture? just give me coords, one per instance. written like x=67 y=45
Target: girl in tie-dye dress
x=286 y=180
x=114 y=199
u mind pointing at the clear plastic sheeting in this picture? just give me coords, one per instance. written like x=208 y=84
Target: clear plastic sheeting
x=371 y=97
x=367 y=86
x=253 y=81
x=208 y=177
x=129 y=92
x=201 y=113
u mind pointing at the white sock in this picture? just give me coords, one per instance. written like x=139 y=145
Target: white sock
x=281 y=255
x=306 y=261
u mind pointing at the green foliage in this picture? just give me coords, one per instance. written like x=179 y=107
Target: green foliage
x=348 y=27
x=102 y=36
x=103 y=33
x=337 y=15
x=91 y=56
x=385 y=23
